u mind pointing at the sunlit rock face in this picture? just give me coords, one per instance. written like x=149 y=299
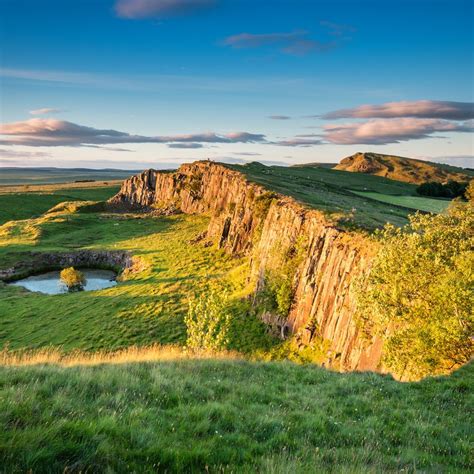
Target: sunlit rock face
x=323 y=305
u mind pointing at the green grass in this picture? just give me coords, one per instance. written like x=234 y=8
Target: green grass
x=16 y=206
x=148 y=307
x=231 y=416
x=190 y=415
x=336 y=192
x=412 y=202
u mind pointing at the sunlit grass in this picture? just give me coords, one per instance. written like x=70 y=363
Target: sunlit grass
x=145 y=308
x=180 y=414
x=412 y=202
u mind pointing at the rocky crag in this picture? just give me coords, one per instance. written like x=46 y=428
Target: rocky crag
x=273 y=230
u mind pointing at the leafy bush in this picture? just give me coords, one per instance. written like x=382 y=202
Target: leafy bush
x=451 y=189
x=419 y=295
x=263 y=203
x=208 y=321
x=469 y=194
x=73 y=279
x=278 y=293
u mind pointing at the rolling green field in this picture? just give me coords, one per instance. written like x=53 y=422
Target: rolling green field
x=411 y=202
x=370 y=200
x=16 y=206
x=231 y=416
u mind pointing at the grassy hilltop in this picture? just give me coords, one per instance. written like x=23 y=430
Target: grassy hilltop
x=369 y=201
x=403 y=169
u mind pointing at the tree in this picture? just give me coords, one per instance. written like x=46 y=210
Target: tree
x=208 y=321
x=73 y=279
x=451 y=189
x=419 y=295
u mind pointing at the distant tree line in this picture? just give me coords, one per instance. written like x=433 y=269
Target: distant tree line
x=452 y=189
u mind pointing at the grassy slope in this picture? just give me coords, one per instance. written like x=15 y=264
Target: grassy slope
x=332 y=191
x=231 y=416
x=411 y=202
x=15 y=206
x=185 y=415
x=148 y=307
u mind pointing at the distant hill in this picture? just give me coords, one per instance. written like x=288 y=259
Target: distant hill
x=50 y=175
x=315 y=165
x=403 y=169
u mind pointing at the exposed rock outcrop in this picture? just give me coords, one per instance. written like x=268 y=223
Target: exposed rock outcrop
x=248 y=219
x=118 y=260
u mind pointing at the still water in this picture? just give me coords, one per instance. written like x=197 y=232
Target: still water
x=50 y=283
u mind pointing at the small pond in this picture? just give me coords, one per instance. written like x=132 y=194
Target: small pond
x=50 y=283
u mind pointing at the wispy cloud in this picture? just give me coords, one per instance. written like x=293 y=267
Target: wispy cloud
x=435 y=109
x=50 y=132
x=296 y=43
x=336 y=29
x=45 y=111
x=185 y=145
x=384 y=131
x=464 y=161
x=300 y=142
x=8 y=153
x=279 y=117
x=152 y=82
x=139 y=9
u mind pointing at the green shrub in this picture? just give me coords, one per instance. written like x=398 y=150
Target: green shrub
x=73 y=279
x=451 y=189
x=208 y=321
x=469 y=194
x=263 y=203
x=419 y=295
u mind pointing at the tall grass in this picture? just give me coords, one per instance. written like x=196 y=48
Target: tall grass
x=128 y=355
x=118 y=413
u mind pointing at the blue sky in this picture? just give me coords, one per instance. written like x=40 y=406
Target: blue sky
x=136 y=83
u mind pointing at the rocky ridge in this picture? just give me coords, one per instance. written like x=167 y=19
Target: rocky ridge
x=247 y=219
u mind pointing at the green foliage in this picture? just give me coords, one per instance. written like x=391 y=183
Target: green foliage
x=278 y=292
x=208 y=321
x=194 y=183
x=469 y=194
x=72 y=278
x=223 y=416
x=263 y=203
x=451 y=189
x=420 y=293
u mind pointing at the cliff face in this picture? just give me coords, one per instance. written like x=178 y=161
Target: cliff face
x=248 y=219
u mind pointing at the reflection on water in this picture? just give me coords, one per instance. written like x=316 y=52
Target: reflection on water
x=50 y=283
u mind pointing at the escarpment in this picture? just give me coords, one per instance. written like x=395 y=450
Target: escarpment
x=279 y=235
